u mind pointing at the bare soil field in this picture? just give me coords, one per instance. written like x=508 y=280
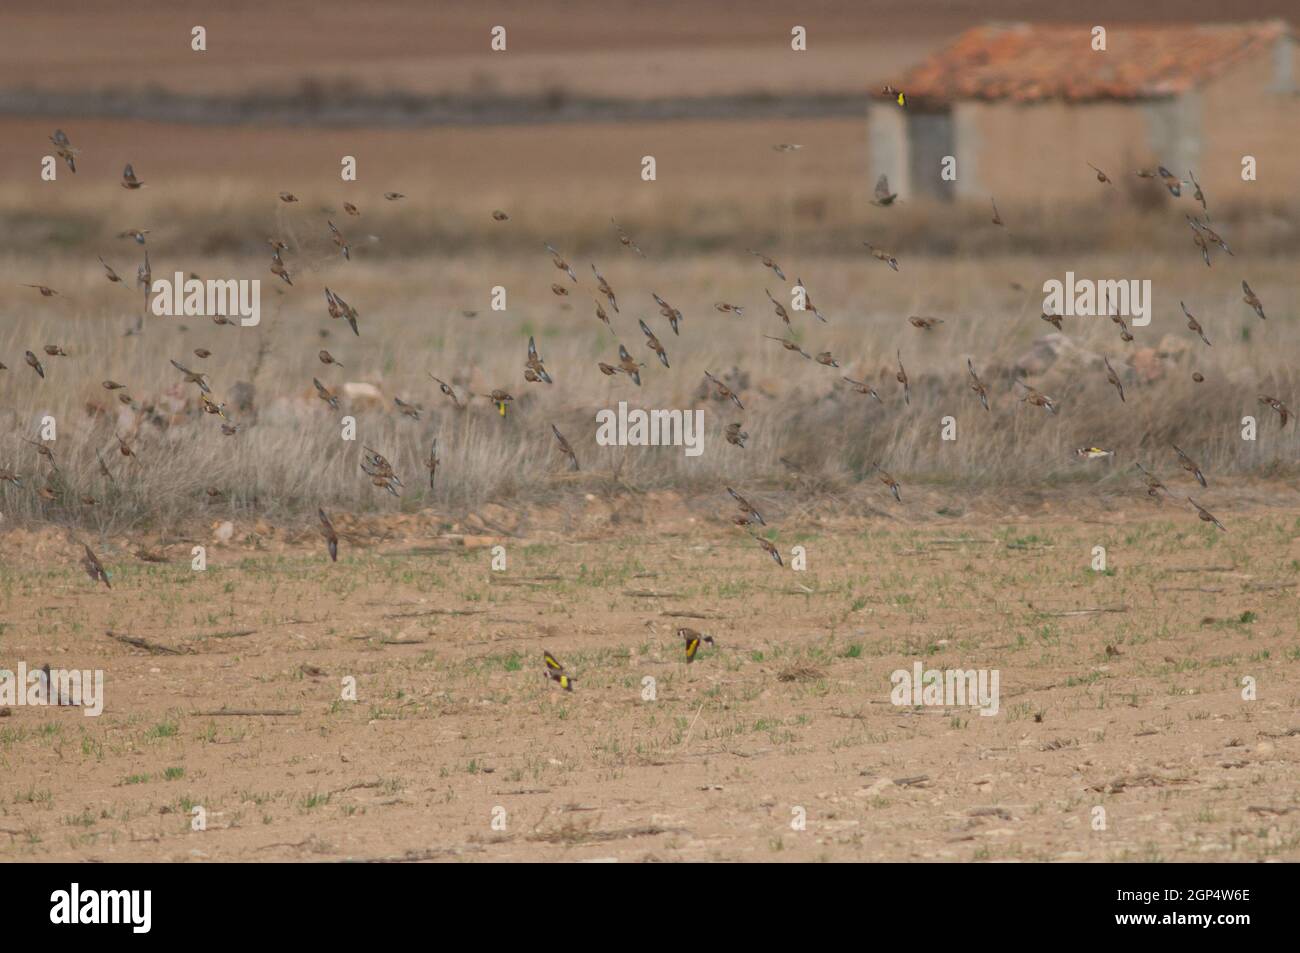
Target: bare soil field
x=1119 y=690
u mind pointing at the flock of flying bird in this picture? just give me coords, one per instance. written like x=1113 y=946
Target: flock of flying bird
x=381 y=472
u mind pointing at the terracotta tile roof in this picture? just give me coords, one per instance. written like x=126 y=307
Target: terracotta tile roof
x=1032 y=62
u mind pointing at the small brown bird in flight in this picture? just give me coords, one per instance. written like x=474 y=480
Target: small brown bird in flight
x=1205 y=515
x=288 y=197
x=693 y=640
x=559 y=290
x=1171 y=181
x=825 y=357
x=925 y=324
x=769 y=549
x=325 y=394
x=109 y=273
x=884 y=197
x=628 y=366
x=882 y=255
x=789 y=345
x=780 y=308
x=1194 y=325
x=668 y=311
x=327 y=358
x=565 y=448
x=737 y=310
x=901 y=377
x=448 y=390
x=129 y=181
x=1198 y=195
x=278 y=269
x=331 y=537
x=53 y=350
x=561 y=264
x=35 y=364
x=603 y=316
x=136 y=234
x=45 y=290
x=393 y=196
x=351 y=209
x=64 y=150
x=533 y=369
x=997 y=219
x=1101 y=176
x=407 y=410
x=1250 y=299
x=1053 y=319
x=751 y=515
x=500 y=398
x=500 y=216
x=626 y=240
x=1037 y=398
x=605 y=289
x=652 y=342
x=768 y=263
x=193 y=377
x=1188 y=464
x=1154 y=486
x=94 y=568
x=863 y=388
x=337 y=237
x=808 y=303
x=1277 y=405
x=977 y=385
x=890 y=482
x=735 y=436
x=1114 y=378
x=725 y=392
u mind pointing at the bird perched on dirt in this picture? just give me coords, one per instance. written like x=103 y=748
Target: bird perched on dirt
x=1113 y=378
x=977 y=385
x=561 y=264
x=1205 y=515
x=565 y=448
x=768 y=263
x=1188 y=464
x=1252 y=300
x=331 y=537
x=94 y=568
x=746 y=508
x=1193 y=324
x=129 y=181
x=882 y=255
x=889 y=481
x=555 y=671
x=693 y=640
x=884 y=197
x=1277 y=405
x=652 y=342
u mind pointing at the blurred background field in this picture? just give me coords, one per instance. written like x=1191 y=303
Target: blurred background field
x=423 y=267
